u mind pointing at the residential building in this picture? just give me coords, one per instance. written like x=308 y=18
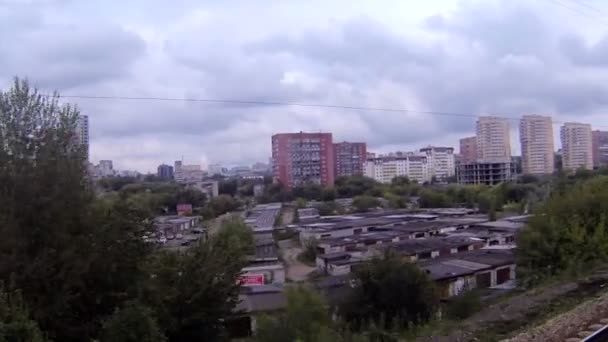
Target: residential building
x=600 y=148
x=577 y=147
x=384 y=169
x=349 y=158
x=493 y=138
x=187 y=173
x=537 y=150
x=490 y=172
x=82 y=133
x=468 y=149
x=105 y=168
x=164 y=171
x=214 y=169
x=440 y=162
x=299 y=158
x=260 y=167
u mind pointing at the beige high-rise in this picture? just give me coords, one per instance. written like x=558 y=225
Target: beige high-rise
x=577 y=146
x=537 y=150
x=493 y=140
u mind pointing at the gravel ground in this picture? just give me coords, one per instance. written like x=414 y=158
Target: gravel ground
x=296 y=271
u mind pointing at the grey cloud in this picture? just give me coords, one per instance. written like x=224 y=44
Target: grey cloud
x=579 y=53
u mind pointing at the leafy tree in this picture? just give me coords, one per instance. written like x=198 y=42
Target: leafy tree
x=194 y=292
x=364 y=203
x=568 y=232
x=15 y=322
x=300 y=203
x=222 y=204
x=133 y=323
x=306 y=319
x=236 y=233
x=434 y=199
x=116 y=183
x=329 y=194
x=75 y=258
x=354 y=185
x=390 y=292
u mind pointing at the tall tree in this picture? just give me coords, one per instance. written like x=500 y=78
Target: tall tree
x=15 y=322
x=390 y=292
x=195 y=291
x=73 y=257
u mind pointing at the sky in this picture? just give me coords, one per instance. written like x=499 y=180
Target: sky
x=473 y=57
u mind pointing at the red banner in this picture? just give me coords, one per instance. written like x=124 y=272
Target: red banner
x=251 y=280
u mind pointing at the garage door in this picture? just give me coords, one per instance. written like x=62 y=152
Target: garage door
x=483 y=280
x=503 y=275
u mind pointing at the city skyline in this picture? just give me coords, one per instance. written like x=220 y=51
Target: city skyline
x=396 y=55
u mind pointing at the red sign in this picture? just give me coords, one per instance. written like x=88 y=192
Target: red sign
x=184 y=209
x=251 y=280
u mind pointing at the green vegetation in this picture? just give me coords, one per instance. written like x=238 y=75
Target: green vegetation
x=390 y=293
x=78 y=266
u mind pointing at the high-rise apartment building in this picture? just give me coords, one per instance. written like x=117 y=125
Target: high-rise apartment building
x=215 y=169
x=349 y=158
x=493 y=139
x=577 y=146
x=82 y=133
x=299 y=158
x=384 y=169
x=440 y=161
x=468 y=149
x=537 y=150
x=600 y=148
x=164 y=171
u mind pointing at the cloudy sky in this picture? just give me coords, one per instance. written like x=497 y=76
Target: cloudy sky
x=500 y=57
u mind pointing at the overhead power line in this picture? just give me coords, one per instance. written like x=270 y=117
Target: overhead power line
x=583 y=13
x=584 y=4
x=294 y=104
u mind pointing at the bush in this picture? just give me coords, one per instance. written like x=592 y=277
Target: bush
x=463 y=306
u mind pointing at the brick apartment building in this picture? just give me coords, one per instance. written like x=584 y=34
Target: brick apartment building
x=349 y=158
x=300 y=158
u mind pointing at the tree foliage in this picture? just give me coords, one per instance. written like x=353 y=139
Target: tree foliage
x=390 y=292
x=59 y=244
x=568 y=232
x=15 y=322
x=133 y=323
x=365 y=203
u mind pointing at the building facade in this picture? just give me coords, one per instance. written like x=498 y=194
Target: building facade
x=82 y=133
x=490 y=172
x=164 y=171
x=187 y=173
x=349 y=158
x=493 y=138
x=600 y=148
x=537 y=148
x=468 y=149
x=577 y=146
x=106 y=168
x=440 y=161
x=299 y=158
x=384 y=169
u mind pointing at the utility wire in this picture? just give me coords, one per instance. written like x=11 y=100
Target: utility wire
x=584 y=4
x=294 y=104
x=585 y=14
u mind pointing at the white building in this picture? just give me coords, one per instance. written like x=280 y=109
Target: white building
x=187 y=173
x=82 y=132
x=577 y=147
x=384 y=169
x=440 y=161
x=537 y=150
x=493 y=139
x=105 y=168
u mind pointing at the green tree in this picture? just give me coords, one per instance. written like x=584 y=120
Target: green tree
x=133 y=323
x=236 y=234
x=329 y=194
x=15 y=322
x=194 y=292
x=306 y=319
x=75 y=258
x=568 y=233
x=390 y=292
x=364 y=203
x=222 y=204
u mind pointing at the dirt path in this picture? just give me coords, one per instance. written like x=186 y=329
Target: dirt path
x=296 y=271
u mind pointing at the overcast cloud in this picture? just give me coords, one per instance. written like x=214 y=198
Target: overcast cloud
x=501 y=57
